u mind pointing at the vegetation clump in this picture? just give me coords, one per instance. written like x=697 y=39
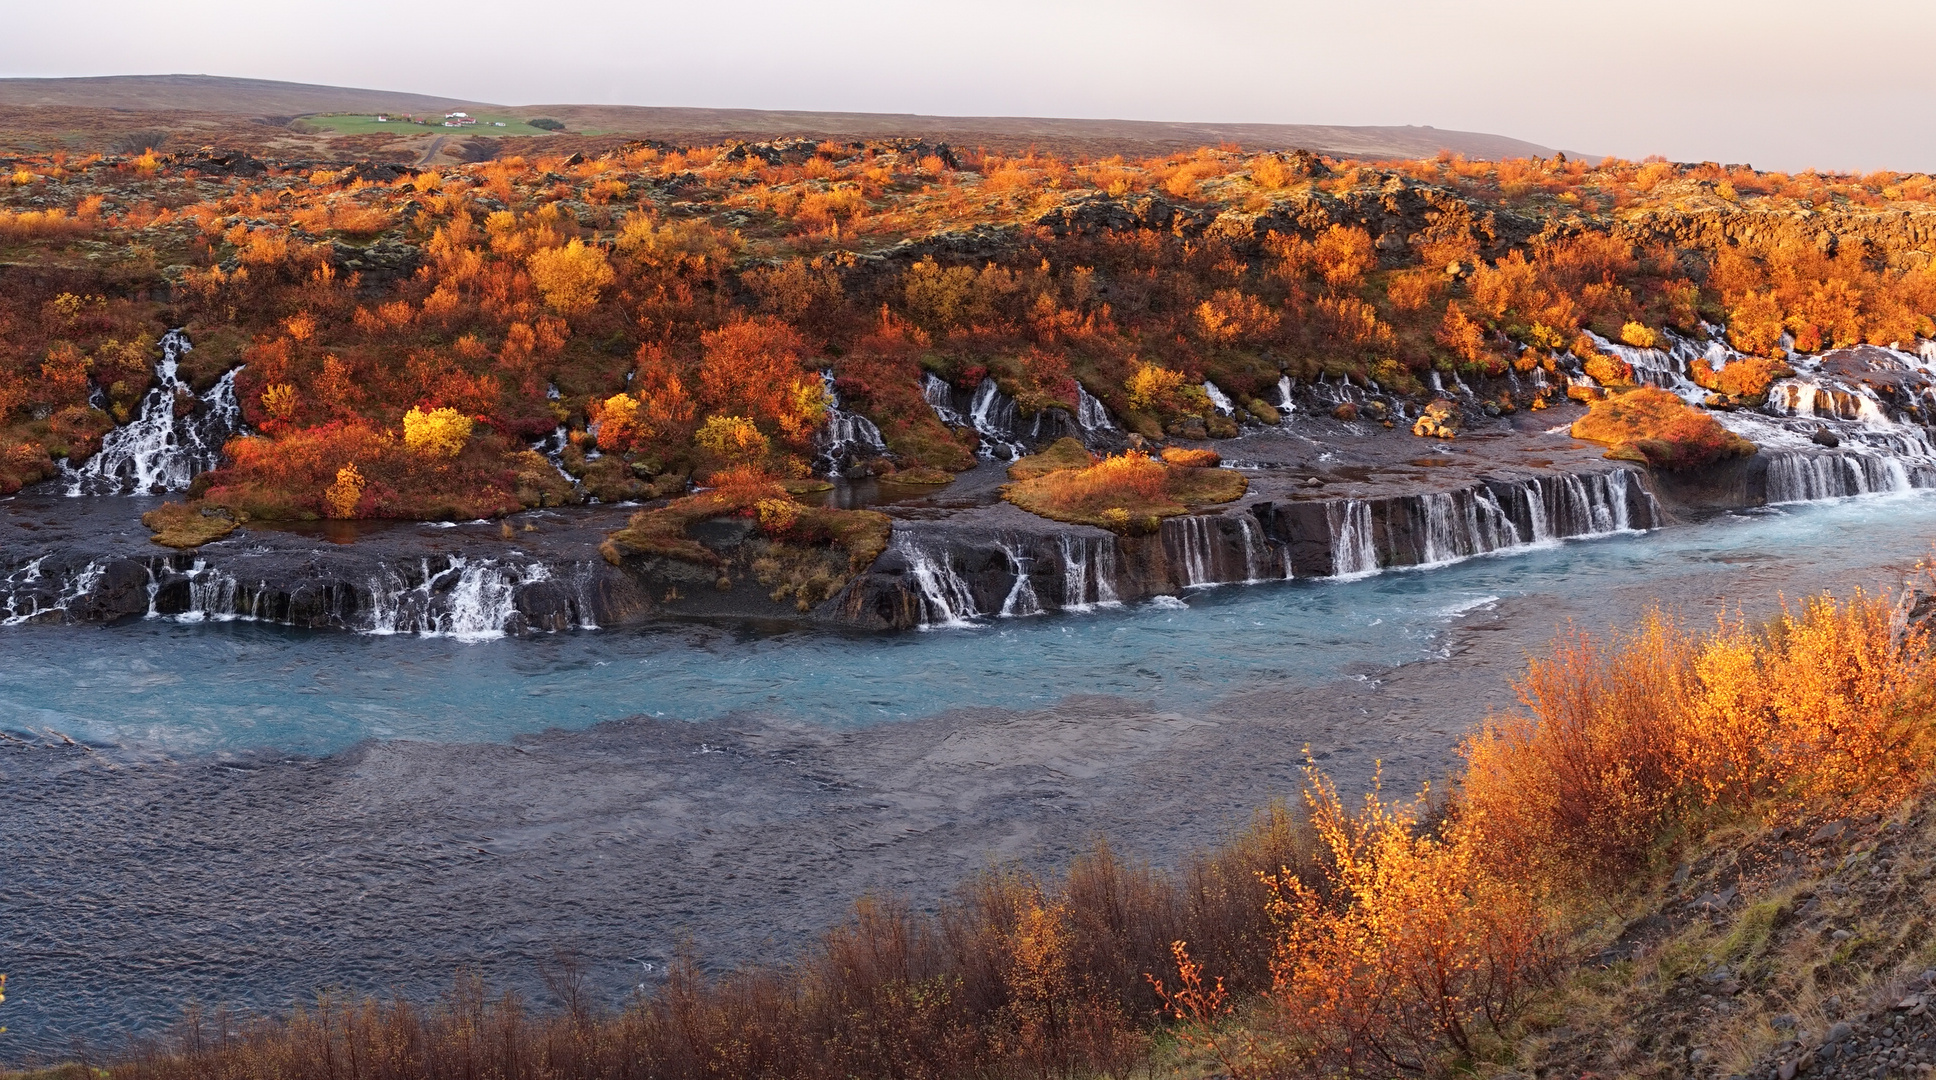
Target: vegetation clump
x=804 y=553
x=1653 y=426
x=179 y=525
x=1127 y=493
x=1746 y=380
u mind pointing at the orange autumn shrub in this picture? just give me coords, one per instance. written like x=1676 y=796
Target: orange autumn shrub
x=1204 y=458
x=1407 y=944
x=1747 y=378
x=302 y=474
x=1652 y=425
x=1129 y=492
x=1626 y=738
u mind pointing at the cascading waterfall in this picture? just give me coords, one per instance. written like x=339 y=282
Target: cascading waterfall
x=1803 y=477
x=1021 y=599
x=1876 y=446
x=941 y=398
x=466 y=600
x=1438 y=528
x=28 y=594
x=1088 y=573
x=945 y=598
x=1354 y=553
x=1219 y=400
x=1285 y=403
x=1256 y=551
x=159 y=450
x=1460 y=524
x=553 y=449
x=846 y=434
x=1090 y=412
x=1188 y=542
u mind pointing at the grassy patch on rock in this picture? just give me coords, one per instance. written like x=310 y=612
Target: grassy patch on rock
x=187 y=525
x=1653 y=426
x=788 y=527
x=1128 y=493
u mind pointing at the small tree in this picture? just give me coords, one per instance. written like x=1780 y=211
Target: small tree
x=437 y=433
x=570 y=277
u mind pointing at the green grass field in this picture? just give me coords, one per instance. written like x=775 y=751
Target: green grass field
x=366 y=124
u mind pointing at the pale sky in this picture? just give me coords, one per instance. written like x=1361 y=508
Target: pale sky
x=1778 y=83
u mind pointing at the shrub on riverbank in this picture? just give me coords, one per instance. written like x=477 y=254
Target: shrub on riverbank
x=1653 y=426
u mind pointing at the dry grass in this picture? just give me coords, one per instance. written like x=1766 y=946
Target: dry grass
x=1652 y=425
x=1129 y=492
x=179 y=525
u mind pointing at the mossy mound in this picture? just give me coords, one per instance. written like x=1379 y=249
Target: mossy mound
x=665 y=531
x=1130 y=493
x=187 y=525
x=923 y=475
x=1061 y=455
x=1653 y=426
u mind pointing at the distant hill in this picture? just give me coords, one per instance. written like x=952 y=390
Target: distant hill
x=211 y=94
x=257 y=98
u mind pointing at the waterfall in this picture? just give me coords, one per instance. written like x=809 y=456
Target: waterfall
x=1088 y=573
x=1188 y=541
x=159 y=450
x=1804 y=477
x=1090 y=412
x=1459 y=524
x=1021 y=599
x=1219 y=400
x=28 y=594
x=941 y=398
x=1285 y=404
x=991 y=414
x=1256 y=552
x=553 y=449
x=1353 y=551
x=846 y=433
x=946 y=600
x=466 y=600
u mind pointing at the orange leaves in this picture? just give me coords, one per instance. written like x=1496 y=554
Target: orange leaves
x=1755 y=324
x=64 y=375
x=1747 y=378
x=1652 y=425
x=757 y=368
x=1350 y=320
x=438 y=433
x=1154 y=387
x=1406 y=943
x=619 y=424
x=341 y=497
x=280 y=400
x=18 y=225
x=1344 y=255
x=1464 y=336
x=1232 y=315
x=1630 y=736
x=733 y=438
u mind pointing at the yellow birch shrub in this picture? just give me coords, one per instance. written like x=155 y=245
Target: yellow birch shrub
x=437 y=433
x=341 y=497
